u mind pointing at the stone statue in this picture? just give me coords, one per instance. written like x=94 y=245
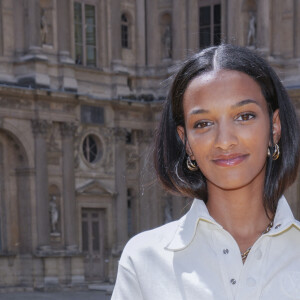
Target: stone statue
x=44 y=26
x=53 y=214
x=251 y=39
x=167 y=42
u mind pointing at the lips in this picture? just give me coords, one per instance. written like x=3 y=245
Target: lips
x=230 y=160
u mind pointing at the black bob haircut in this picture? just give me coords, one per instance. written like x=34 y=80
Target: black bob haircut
x=170 y=152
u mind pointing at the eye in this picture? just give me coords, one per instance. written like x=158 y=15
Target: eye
x=245 y=117
x=203 y=124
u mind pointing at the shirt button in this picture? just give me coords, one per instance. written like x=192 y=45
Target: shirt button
x=251 y=282
x=233 y=281
x=258 y=254
x=225 y=251
x=277 y=226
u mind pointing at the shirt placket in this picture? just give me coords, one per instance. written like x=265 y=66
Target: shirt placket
x=251 y=277
x=228 y=256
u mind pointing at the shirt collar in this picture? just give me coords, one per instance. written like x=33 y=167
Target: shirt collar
x=187 y=226
x=284 y=218
x=198 y=212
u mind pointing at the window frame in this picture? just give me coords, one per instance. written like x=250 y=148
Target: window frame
x=128 y=25
x=85 y=147
x=83 y=4
x=211 y=4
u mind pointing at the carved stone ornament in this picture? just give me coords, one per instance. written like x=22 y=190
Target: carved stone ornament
x=40 y=127
x=67 y=129
x=145 y=136
x=120 y=134
x=108 y=159
x=132 y=159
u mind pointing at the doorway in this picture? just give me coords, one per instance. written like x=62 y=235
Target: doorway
x=94 y=243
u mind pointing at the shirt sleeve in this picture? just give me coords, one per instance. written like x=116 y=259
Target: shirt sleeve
x=127 y=286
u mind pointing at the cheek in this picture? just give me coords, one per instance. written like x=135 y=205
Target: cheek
x=200 y=145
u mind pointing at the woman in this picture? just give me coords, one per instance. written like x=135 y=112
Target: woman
x=229 y=136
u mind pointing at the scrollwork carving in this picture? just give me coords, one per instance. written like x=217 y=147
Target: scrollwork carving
x=145 y=136
x=40 y=127
x=67 y=129
x=120 y=134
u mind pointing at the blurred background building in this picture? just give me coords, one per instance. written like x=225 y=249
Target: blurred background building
x=82 y=84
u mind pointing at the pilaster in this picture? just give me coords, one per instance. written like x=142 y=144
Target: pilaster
x=32 y=24
x=179 y=29
x=115 y=20
x=263 y=26
x=64 y=32
x=70 y=225
x=149 y=202
x=121 y=188
x=40 y=129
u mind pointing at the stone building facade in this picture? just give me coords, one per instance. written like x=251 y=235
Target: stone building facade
x=81 y=89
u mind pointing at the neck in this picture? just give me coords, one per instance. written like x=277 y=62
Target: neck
x=241 y=212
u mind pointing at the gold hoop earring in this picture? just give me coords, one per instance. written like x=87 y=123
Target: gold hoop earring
x=191 y=165
x=276 y=153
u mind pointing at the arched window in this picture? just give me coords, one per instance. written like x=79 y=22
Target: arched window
x=125 y=31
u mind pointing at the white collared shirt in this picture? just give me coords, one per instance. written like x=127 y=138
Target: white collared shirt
x=195 y=258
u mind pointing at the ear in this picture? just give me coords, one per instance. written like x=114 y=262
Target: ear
x=276 y=128
x=181 y=133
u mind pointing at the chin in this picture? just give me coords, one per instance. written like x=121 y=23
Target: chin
x=234 y=183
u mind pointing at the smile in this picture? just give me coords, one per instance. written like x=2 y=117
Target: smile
x=229 y=161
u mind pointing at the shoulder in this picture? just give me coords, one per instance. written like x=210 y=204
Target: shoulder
x=149 y=242
x=157 y=237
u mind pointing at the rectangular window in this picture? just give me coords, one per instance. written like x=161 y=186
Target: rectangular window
x=124 y=31
x=85 y=34
x=209 y=25
x=92 y=114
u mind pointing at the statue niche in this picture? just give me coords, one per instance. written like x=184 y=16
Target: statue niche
x=46 y=22
x=54 y=213
x=249 y=10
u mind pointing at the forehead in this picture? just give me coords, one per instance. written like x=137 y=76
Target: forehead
x=222 y=87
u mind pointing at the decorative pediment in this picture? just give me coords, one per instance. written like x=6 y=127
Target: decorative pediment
x=95 y=187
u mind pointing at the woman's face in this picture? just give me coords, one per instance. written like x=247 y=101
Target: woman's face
x=228 y=128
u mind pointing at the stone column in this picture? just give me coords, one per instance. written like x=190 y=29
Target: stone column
x=40 y=129
x=152 y=34
x=140 y=33
x=32 y=25
x=64 y=31
x=264 y=26
x=192 y=20
x=121 y=188
x=67 y=75
x=70 y=225
x=25 y=209
x=150 y=214
x=115 y=30
x=276 y=28
x=179 y=29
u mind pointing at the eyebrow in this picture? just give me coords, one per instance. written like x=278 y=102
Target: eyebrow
x=245 y=102
x=197 y=111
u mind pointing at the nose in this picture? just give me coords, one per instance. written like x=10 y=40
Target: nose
x=226 y=136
